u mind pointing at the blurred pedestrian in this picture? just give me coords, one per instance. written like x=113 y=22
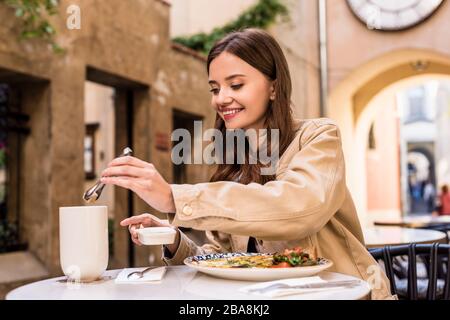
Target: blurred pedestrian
x=444 y=202
x=429 y=195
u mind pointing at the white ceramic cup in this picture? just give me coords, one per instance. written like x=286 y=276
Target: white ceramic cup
x=83 y=233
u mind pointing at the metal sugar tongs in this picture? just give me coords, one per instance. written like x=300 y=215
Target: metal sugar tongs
x=94 y=192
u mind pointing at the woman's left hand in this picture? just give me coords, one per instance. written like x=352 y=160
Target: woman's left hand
x=143 y=179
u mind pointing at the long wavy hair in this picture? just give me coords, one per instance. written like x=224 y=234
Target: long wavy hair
x=259 y=49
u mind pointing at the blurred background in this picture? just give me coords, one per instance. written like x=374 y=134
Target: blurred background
x=82 y=79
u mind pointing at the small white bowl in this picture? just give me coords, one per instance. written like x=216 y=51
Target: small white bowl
x=156 y=235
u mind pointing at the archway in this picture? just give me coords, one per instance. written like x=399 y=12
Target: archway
x=427 y=152
x=352 y=104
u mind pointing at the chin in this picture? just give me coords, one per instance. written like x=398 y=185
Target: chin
x=232 y=126
x=235 y=124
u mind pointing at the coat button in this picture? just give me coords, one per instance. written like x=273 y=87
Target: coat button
x=187 y=210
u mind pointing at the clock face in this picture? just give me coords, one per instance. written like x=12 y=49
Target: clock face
x=392 y=15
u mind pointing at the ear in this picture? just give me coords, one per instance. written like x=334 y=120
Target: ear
x=272 y=90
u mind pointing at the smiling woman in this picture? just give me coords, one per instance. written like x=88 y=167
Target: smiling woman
x=251 y=89
x=304 y=203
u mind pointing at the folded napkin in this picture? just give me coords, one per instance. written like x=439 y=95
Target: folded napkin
x=284 y=291
x=149 y=276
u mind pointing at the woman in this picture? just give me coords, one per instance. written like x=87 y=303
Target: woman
x=305 y=202
x=444 y=201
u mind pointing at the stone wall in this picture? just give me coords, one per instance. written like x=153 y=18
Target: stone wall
x=124 y=44
x=298 y=38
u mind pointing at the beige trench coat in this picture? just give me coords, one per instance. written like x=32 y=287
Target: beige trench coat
x=308 y=205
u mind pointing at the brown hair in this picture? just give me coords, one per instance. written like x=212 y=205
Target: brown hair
x=259 y=49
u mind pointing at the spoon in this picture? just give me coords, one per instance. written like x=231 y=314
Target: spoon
x=94 y=192
x=140 y=274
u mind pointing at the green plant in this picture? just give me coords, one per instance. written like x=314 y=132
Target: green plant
x=2 y=193
x=8 y=235
x=261 y=15
x=34 y=15
x=2 y=157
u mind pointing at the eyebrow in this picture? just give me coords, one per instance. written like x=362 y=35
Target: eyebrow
x=228 y=78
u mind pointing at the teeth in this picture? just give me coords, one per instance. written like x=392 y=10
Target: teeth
x=231 y=111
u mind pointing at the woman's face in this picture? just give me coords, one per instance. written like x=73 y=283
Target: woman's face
x=240 y=93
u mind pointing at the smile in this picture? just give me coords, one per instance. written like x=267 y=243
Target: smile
x=231 y=113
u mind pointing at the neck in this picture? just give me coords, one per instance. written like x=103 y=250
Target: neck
x=257 y=140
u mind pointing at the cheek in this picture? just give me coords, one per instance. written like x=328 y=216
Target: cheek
x=255 y=99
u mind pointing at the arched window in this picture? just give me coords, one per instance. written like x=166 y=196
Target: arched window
x=372 y=143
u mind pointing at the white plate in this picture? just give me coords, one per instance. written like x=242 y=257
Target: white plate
x=156 y=235
x=254 y=274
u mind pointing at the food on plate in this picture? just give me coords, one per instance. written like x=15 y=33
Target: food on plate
x=241 y=261
x=296 y=257
x=293 y=258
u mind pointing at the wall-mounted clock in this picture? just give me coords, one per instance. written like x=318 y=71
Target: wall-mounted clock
x=393 y=15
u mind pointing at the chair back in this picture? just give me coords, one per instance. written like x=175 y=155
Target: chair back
x=437 y=256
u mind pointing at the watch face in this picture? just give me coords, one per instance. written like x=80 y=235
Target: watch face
x=393 y=14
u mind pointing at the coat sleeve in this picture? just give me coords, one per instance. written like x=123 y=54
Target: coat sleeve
x=216 y=242
x=299 y=203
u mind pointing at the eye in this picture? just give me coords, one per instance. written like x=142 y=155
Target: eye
x=236 y=86
x=214 y=91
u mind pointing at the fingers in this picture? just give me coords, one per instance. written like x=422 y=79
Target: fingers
x=124 y=182
x=131 y=161
x=143 y=219
x=137 y=222
x=127 y=170
x=134 y=234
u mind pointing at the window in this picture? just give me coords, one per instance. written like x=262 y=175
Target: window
x=183 y=120
x=416 y=105
x=12 y=131
x=89 y=151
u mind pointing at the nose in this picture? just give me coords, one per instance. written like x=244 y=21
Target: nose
x=223 y=99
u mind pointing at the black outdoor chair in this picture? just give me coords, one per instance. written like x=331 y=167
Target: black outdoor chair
x=444 y=228
x=436 y=284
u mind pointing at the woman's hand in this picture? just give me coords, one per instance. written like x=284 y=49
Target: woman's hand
x=143 y=179
x=147 y=220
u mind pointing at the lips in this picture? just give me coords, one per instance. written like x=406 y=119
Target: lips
x=230 y=113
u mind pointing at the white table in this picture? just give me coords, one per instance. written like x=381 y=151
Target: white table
x=383 y=236
x=179 y=283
